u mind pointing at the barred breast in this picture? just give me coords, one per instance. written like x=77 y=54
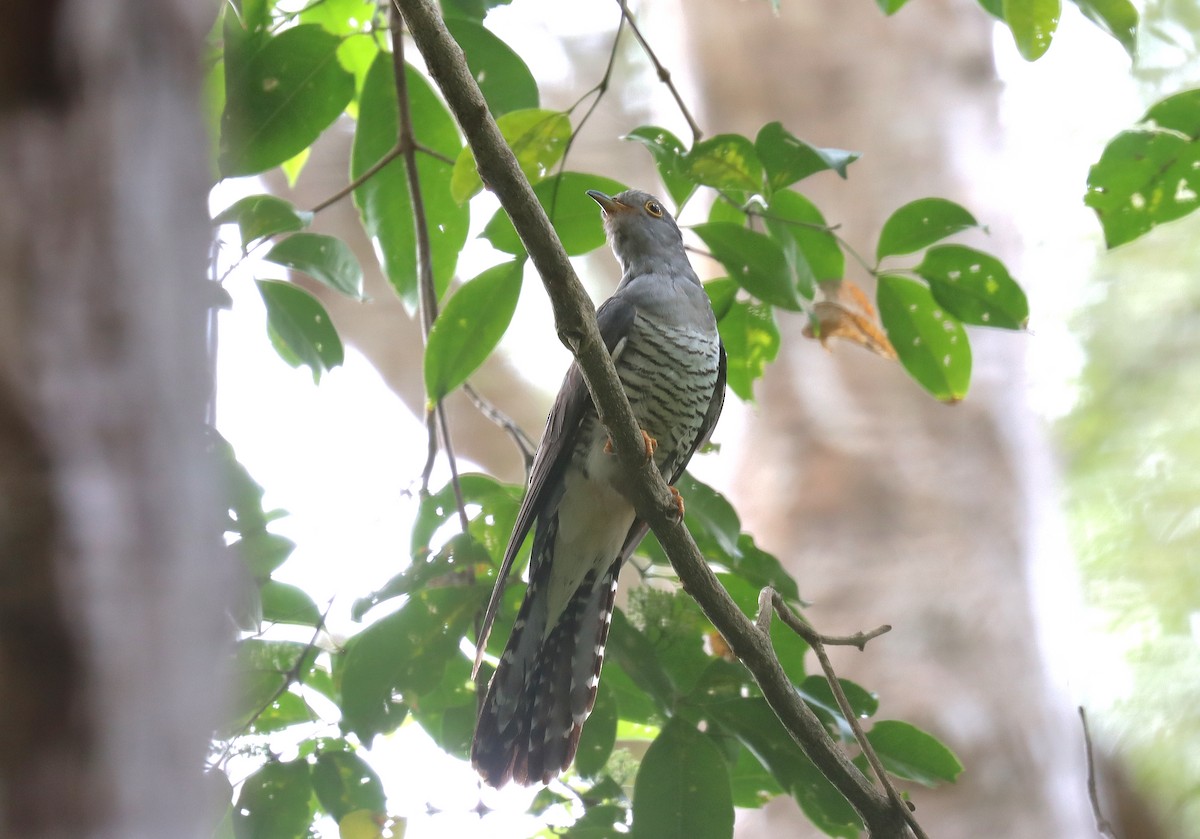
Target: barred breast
x=669 y=372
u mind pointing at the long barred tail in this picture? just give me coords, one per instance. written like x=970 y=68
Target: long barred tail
x=542 y=691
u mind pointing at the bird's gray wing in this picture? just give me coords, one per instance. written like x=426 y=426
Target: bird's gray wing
x=615 y=318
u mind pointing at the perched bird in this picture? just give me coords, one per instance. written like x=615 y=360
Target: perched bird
x=660 y=329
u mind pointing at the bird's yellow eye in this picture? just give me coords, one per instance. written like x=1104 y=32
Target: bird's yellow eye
x=654 y=208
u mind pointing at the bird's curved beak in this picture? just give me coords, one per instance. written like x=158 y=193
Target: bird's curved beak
x=609 y=204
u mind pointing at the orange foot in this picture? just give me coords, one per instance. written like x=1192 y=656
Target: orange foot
x=678 y=500
x=650 y=443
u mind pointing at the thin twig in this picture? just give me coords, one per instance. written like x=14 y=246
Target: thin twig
x=664 y=75
x=291 y=676
x=600 y=88
x=374 y=169
x=520 y=439
x=771 y=602
x=427 y=293
x=1103 y=825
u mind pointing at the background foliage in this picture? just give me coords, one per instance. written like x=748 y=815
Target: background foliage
x=680 y=734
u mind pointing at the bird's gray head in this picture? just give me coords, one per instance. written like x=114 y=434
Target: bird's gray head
x=643 y=235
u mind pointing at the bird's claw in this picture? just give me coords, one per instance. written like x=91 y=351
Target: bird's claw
x=650 y=443
x=678 y=499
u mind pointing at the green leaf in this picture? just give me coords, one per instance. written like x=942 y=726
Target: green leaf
x=287 y=710
x=709 y=516
x=1149 y=175
x=599 y=735
x=344 y=782
x=908 y=752
x=383 y=201
x=762 y=569
x=751 y=341
x=537 y=137
x=669 y=154
x=726 y=161
x=402 y=657
x=283 y=603
x=505 y=81
x=974 y=287
x=931 y=344
x=576 y=217
x=819 y=695
x=633 y=652
x=275 y=803
x=754 y=260
x=890 y=7
x=995 y=8
x=259 y=216
x=326 y=259
x=790 y=214
x=750 y=781
x=340 y=17
x=1032 y=23
x=474 y=9
x=788 y=159
x=470 y=326
x=754 y=724
x=682 y=788
x=263 y=551
x=299 y=327
x=281 y=92
x=919 y=224
x=1118 y=18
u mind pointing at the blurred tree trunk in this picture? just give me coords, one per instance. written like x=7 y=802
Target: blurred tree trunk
x=887 y=506
x=111 y=591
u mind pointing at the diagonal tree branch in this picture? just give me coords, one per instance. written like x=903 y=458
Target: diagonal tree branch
x=574 y=315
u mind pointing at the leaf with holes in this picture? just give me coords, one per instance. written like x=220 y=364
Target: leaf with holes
x=682 y=789
x=974 y=286
x=908 y=752
x=1151 y=174
x=752 y=259
x=538 y=138
x=275 y=803
x=299 y=328
x=259 y=216
x=1032 y=23
x=788 y=159
x=932 y=344
x=668 y=153
x=919 y=224
x=281 y=92
x=470 y=326
x=727 y=161
x=344 y=782
x=402 y=657
x=324 y=258
x=383 y=200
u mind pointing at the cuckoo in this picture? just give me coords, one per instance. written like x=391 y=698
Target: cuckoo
x=661 y=332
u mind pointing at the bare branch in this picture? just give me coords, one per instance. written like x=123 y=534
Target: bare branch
x=575 y=319
x=770 y=601
x=664 y=75
x=521 y=440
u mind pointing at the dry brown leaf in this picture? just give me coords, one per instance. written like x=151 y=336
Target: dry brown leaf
x=849 y=316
